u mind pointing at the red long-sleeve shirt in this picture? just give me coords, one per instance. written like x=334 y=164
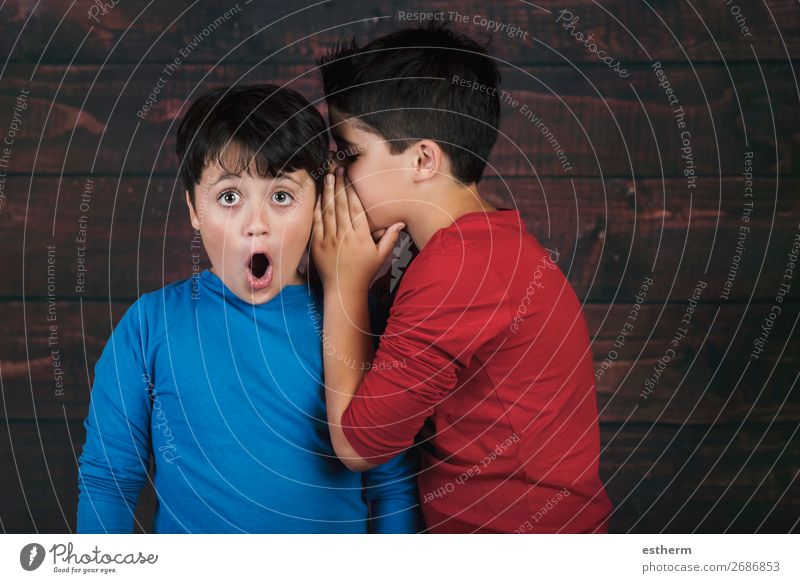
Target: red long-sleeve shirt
x=487 y=352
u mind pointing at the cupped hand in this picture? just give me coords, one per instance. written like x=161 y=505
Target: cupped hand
x=346 y=254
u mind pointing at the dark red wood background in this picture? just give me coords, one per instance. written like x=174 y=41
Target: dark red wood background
x=715 y=448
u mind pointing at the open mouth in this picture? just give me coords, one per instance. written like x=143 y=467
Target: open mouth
x=259 y=271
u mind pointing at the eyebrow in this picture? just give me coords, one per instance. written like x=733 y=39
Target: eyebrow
x=283 y=176
x=227 y=175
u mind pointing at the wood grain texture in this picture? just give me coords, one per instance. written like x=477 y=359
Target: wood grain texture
x=707 y=442
x=609 y=235
x=631 y=32
x=706 y=480
x=709 y=380
x=660 y=479
x=87 y=119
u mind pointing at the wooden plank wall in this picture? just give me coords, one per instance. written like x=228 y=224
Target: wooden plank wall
x=713 y=448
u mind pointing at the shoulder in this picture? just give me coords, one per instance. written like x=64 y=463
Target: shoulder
x=179 y=290
x=168 y=297
x=462 y=260
x=145 y=316
x=499 y=238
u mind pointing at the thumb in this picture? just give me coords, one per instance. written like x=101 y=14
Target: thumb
x=388 y=240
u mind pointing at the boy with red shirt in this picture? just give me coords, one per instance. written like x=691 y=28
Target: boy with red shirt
x=485 y=359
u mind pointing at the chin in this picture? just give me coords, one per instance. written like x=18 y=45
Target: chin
x=386 y=214
x=379 y=220
x=260 y=298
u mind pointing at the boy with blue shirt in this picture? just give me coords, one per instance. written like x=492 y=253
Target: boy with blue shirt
x=219 y=377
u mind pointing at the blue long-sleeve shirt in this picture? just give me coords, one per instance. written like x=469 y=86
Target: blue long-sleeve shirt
x=227 y=397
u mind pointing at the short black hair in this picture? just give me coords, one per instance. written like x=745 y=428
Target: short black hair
x=272 y=128
x=404 y=87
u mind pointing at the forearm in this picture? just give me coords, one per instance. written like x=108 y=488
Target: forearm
x=347 y=353
x=348 y=258
x=106 y=503
x=100 y=515
x=396 y=516
x=393 y=496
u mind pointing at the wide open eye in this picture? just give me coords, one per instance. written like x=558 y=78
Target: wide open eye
x=282 y=198
x=229 y=198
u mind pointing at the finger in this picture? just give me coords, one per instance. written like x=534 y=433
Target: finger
x=328 y=212
x=341 y=206
x=333 y=164
x=387 y=242
x=376 y=235
x=318 y=232
x=358 y=216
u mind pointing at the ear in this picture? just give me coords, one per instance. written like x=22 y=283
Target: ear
x=192 y=213
x=428 y=160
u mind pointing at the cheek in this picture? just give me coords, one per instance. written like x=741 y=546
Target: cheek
x=372 y=189
x=365 y=181
x=214 y=229
x=296 y=229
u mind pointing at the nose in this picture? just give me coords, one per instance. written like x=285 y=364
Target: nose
x=258 y=224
